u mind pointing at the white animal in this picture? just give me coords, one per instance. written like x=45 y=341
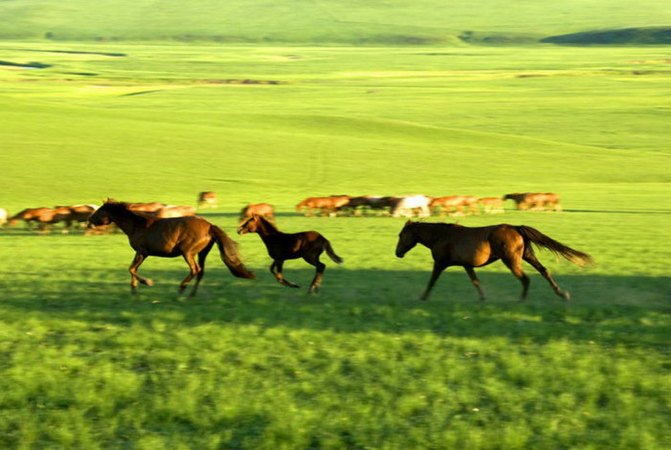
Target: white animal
x=3 y=216
x=408 y=206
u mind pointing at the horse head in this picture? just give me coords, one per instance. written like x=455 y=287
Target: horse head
x=101 y=216
x=249 y=225
x=407 y=239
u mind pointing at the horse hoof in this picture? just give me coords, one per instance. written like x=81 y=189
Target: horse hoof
x=149 y=282
x=567 y=296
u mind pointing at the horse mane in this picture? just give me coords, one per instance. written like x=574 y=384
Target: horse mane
x=267 y=223
x=123 y=208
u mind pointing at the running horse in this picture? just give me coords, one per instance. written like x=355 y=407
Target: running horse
x=308 y=245
x=189 y=237
x=456 y=245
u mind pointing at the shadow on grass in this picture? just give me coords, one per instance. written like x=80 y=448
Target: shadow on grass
x=618 y=310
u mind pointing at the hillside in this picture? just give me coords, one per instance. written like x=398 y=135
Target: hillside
x=401 y=22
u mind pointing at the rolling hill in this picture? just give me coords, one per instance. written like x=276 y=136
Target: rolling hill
x=401 y=22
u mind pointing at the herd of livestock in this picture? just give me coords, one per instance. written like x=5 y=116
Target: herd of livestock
x=74 y=216
x=425 y=206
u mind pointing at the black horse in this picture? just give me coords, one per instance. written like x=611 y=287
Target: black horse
x=308 y=245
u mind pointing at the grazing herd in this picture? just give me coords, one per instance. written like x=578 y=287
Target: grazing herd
x=157 y=229
x=423 y=205
x=43 y=218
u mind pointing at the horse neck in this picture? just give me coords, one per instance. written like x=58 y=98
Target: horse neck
x=427 y=234
x=128 y=221
x=266 y=229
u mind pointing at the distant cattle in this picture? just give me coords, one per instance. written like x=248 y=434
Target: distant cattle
x=207 y=199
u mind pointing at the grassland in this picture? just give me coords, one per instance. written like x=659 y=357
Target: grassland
x=401 y=22
x=364 y=364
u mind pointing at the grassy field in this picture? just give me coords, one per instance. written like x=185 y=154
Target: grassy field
x=364 y=364
x=376 y=22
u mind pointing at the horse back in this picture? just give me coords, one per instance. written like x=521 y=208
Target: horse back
x=477 y=246
x=173 y=236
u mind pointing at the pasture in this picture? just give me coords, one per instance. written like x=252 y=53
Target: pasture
x=363 y=364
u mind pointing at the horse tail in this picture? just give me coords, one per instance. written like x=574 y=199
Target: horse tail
x=329 y=251
x=533 y=235
x=229 y=253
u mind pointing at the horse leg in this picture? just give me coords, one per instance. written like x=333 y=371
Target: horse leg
x=134 y=277
x=515 y=266
x=319 y=274
x=475 y=281
x=193 y=271
x=201 y=264
x=276 y=269
x=437 y=270
x=530 y=257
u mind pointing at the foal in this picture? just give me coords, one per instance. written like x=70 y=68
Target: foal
x=455 y=245
x=308 y=245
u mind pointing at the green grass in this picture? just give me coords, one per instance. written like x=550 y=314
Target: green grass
x=400 y=22
x=364 y=364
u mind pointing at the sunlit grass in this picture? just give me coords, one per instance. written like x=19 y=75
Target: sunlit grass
x=364 y=364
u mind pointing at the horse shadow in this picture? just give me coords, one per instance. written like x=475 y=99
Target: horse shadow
x=617 y=310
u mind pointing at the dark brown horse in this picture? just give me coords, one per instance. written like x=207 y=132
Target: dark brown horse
x=308 y=245
x=180 y=236
x=455 y=245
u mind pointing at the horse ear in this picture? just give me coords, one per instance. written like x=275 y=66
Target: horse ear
x=408 y=222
